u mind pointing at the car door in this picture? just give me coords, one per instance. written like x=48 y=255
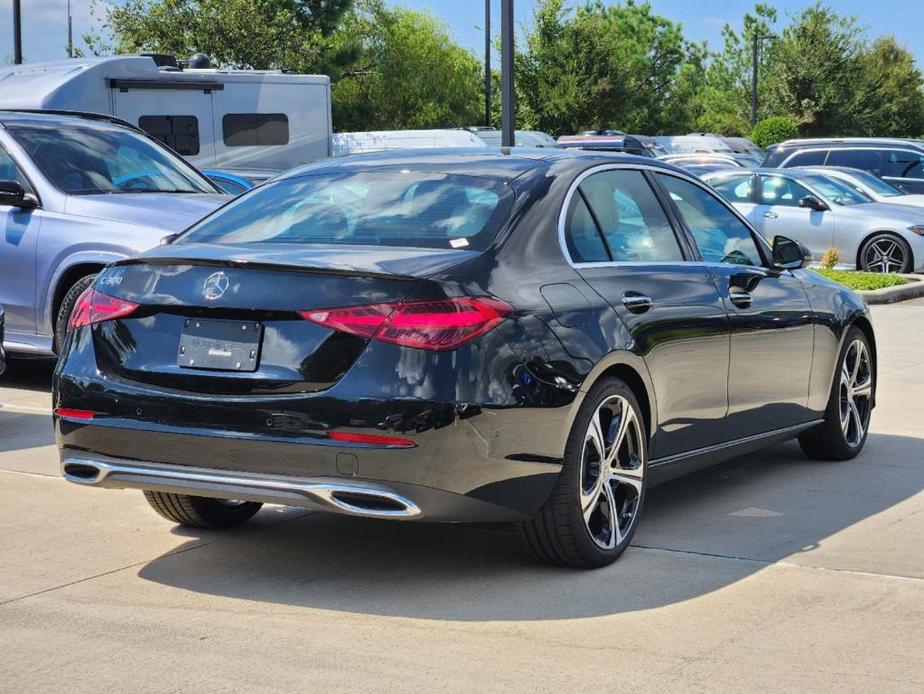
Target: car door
x=770 y=319
x=20 y=230
x=777 y=212
x=622 y=243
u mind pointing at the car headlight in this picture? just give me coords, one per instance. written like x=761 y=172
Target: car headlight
x=917 y=229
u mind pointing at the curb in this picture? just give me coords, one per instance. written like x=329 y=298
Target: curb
x=890 y=295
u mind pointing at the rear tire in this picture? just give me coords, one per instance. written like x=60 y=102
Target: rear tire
x=200 y=511
x=843 y=433
x=886 y=253
x=593 y=511
x=67 y=308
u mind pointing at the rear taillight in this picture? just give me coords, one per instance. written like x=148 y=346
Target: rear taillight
x=430 y=325
x=95 y=307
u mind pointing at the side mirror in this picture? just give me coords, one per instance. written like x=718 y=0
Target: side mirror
x=789 y=254
x=168 y=239
x=813 y=203
x=13 y=194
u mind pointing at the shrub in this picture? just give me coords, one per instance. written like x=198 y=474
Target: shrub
x=830 y=259
x=775 y=129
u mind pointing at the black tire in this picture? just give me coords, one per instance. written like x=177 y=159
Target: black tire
x=67 y=307
x=200 y=511
x=900 y=260
x=558 y=534
x=829 y=441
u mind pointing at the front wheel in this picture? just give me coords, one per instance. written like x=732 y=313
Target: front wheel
x=593 y=511
x=886 y=253
x=846 y=425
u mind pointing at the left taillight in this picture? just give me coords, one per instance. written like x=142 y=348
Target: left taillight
x=95 y=307
x=430 y=325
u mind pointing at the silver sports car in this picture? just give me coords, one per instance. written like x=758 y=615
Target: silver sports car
x=823 y=212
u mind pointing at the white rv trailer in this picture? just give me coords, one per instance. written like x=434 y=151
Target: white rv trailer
x=343 y=144
x=229 y=119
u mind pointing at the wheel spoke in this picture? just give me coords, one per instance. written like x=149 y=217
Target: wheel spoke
x=613 y=536
x=630 y=478
x=858 y=421
x=626 y=418
x=864 y=390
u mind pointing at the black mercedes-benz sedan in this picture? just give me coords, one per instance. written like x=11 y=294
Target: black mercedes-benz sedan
x=468 y=335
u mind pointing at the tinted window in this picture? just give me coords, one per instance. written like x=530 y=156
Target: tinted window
x=778 y=190
x=424 y=210
x=10 y=172
x=81 y=160
x=720 y=236
x=877 y=185
x=902 y=164
x=633 y=223
x=255 y=129
x=179 y=133
x=837 y=191
x=815 y=158
x=735 y=188
x=865 y=159
x=585 y=244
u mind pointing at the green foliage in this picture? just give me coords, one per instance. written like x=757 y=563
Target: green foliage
x=774 y=129
x=410 y=74
x=862 y=281
x=619 y=66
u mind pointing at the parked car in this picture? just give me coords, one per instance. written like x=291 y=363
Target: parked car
x=870 y=185
x=738 y=145
x=823 y=212
x=385 y=140
x=78 y=192
x=522 y=138
x=229 y=182
x=693 y=144
x=900 y=162
x=605 y=141
x=215 y=118
x=528 y=336
x=722 y=160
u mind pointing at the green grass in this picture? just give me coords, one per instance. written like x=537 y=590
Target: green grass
x=861 y=281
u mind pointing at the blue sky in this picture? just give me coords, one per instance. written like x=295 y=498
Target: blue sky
x=45 y=24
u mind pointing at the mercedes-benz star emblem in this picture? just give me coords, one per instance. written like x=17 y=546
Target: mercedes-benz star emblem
x=215 y=286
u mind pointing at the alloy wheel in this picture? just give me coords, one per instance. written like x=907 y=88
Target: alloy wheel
x=885 y=255
x=856 y=392
x=612 y=469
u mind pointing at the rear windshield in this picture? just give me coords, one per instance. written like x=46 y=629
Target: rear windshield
x=427 y=210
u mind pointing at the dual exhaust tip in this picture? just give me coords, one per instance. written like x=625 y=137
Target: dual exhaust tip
x=324 y=494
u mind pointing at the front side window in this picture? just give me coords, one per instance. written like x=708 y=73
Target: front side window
x=735 y=188
x=779 y=190
x=863 y=159
x=425 y=210
x=255 y=129
x=627 y=212
x=719 y=234
x=903 y=164
x=83 y=160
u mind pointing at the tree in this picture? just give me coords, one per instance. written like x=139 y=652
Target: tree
x=411 y=73
x=892 y=91
x=258 y=34
x=598 y=66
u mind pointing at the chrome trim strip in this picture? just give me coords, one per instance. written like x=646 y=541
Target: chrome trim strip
x=317 y=493
x=730 y=444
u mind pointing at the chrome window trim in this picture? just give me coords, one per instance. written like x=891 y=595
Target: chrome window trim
x=852 y=148
x=600 y=168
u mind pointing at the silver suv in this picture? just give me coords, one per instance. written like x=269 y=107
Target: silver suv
x=78 y=191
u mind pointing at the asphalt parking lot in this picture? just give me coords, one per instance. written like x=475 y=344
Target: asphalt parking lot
x=770 y=572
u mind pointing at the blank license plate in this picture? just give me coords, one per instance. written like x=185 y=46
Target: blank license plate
x=224 y=345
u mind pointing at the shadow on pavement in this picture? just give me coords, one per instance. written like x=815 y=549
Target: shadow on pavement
x=748 y=512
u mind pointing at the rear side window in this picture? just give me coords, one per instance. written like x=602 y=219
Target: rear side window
x=179 y=133
x=424 y=210
x=865 y=159
x=720 y=236
x=627 y=212
x=255 y=129
x=813 y=158
x=735 y=188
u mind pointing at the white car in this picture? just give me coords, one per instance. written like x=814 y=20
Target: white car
x=870 y=185
x=824 y=212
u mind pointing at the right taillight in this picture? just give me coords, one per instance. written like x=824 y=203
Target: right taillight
x=430 y=325
x=95 y=307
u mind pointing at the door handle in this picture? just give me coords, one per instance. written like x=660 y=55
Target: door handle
x=636 y=303
x=771 y=215
x=739 y=297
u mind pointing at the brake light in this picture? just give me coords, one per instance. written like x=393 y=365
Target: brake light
x=95 y=307
x=370 y=439
x=69 y=413
x=430 y=325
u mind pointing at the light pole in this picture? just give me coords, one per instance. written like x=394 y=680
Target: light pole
x=507 y=104
x=755 y=58
x=487 y=62
x=17 y=33
x=70 y=35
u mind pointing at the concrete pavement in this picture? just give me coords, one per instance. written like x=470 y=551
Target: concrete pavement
x=768 y=573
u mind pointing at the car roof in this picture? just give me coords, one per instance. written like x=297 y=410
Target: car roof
x=52 y=117
x=790 y=172
x=848 y=141
x=497 y=162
